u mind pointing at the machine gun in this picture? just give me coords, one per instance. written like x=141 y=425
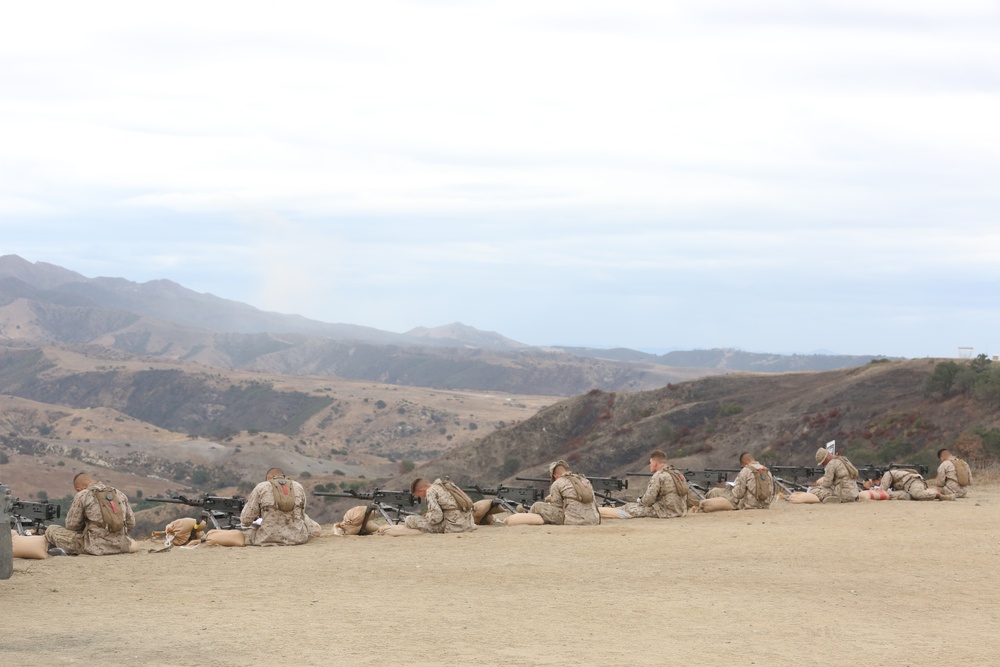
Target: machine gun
x=222 y=511
x=699 y=481
x=383 y=502
x=603 y=487
x=509 y=497
x=30 y=516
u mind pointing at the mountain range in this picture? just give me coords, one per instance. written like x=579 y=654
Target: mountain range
x=44 y=304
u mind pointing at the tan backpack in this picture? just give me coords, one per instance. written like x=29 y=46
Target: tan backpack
x=962 y=472
x=112 y=514
x=852 y=472
x=584 y=491
x=680 y=484
x=763 y=484
x=463 y=501
x=284 y=493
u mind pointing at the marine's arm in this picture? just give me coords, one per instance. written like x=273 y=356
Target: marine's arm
x=652 y=491
x=251 y=511
x=740 y=486
x=826 y=481
x=434 y=513
x=76 y=518
x=556 y=495
x=886 y=482
x=129 y=515
x=942 y=474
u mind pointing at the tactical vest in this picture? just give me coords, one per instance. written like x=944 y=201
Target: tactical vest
x=461 y=499
x=584 y=491
x=112 y=514
x=284 y=494
x=962 y=472
x=763 y=484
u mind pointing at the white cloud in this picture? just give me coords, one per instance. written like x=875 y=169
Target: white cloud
x=427 y=147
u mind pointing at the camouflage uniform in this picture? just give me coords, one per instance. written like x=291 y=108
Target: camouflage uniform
x=906 y=485
x=745 y=489
x=743 y=493
x=836 y=482
x=443 y=514
x=564 y=507
x=947 y=480
x=660 y=500
x=85 y=532
x=277 y=527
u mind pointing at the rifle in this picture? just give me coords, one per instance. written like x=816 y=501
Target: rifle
x=30 y=516
x=509 y=497
x=603 y=487
x=226 y=509
x=380 y=501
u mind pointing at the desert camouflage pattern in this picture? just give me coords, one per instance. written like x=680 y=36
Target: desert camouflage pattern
x=947 y=480
x=660 y=500
x=745 y=489
x=906 y=485
x=84 y=532
x=722 y=492
x=563 y=506
x=277 y=527
x=836 y=482
x=442 y=515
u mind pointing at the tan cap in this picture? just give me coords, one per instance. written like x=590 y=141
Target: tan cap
x=821 y=455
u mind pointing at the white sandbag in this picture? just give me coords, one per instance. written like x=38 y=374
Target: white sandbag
x=225 y=538
x=526 y=519
x=716 y=505
x=34 y=547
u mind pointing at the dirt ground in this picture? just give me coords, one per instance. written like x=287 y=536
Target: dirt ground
x=878 y=583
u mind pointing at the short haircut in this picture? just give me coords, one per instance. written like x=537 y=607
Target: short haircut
x=745 y=455
x=416 y=484
x=80 y=478
x=658 y=455
x=941 y=451
x=274 y=472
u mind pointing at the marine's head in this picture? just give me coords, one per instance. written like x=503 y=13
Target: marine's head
x=746 y=458
x=82 y=480
x=557 y=469
x=419 y=486
x=657 y=460
x=943 y=455
x=272 y=473
x=823 y=456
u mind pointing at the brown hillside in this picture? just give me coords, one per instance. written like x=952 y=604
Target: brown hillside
x=876 y=413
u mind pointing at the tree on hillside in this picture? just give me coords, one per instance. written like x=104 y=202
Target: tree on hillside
x=942 y=379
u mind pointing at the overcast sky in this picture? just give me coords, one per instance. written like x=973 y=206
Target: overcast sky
x=773 y=176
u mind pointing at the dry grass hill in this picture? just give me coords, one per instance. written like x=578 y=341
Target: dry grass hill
x=879 y=413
